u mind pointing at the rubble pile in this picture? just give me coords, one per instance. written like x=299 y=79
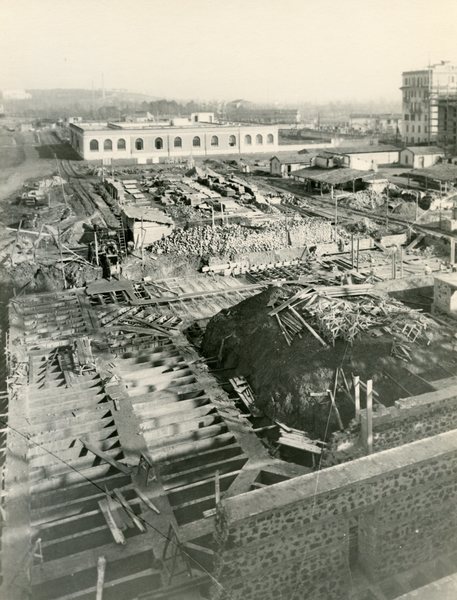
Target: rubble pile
x=236 y=239
x=364 y=200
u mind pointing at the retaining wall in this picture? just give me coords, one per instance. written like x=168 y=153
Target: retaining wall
x=291 y=540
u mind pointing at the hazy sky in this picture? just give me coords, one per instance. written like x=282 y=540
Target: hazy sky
x=272 y=50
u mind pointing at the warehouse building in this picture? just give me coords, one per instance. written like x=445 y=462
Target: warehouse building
x=143 y=143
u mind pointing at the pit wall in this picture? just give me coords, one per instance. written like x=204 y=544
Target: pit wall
x=291 y=540
x=410 y=419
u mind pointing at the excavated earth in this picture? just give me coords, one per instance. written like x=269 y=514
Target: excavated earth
x=249 y=342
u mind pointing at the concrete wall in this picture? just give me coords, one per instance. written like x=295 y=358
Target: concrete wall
x=291 y=540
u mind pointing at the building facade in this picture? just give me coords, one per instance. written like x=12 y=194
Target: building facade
x=447 y=122
x=142 y=144
x=421 y=91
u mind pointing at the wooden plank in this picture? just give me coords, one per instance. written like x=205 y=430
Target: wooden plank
x=146 y=500
x=128 y=510
x=105 y=457
x=297 y=296
x=115 y=531
x=308 y=327
x=101 y=566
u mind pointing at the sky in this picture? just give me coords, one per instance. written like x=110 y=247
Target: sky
x=260 y=50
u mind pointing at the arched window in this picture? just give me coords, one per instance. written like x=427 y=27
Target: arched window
x=107 y=145
x=214 y=141
x=248 y=140
x=196 y=142
x=178 y=142
x=258 y=139
x=159 y=143
x=270 y=138
x=139 y=144
x=93 y=145
x=121 y=144
x=232 y=140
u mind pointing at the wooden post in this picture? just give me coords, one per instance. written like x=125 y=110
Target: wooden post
x=142 y=241
x=356 y=383
x=352 y=250
x=370 y=416
x=358 y=248
x=452 y=257
x=96 y=247
x=212 y=216
x=101 y=566
x=217 y=486
x=337 y=412
x=400 y=251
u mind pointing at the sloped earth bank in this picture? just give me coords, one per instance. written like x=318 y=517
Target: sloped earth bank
x=283 y=377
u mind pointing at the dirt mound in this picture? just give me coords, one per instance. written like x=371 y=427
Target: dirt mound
x=250 y=343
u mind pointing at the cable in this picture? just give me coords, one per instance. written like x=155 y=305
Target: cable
x=140 y=517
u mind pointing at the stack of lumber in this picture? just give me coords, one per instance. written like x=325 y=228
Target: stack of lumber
x=343 y=312
x=295 y=438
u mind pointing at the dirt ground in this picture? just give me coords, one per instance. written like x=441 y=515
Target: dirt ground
x=20 y=161
x=283 y=377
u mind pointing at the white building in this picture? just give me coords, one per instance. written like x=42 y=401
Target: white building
x=147 y=143
x=419 y=157
x=421 y=90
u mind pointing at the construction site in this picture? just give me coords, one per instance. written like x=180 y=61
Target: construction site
x=220 y=384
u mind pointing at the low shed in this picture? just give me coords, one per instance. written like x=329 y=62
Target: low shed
x=285 y=165
x=146 y=225
x=419 y=157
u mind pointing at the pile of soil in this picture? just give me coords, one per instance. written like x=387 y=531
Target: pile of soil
x=250 y=343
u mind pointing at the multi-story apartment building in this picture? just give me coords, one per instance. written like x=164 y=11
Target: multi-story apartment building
x=421 y=91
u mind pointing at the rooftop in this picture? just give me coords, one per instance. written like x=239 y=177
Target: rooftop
x=425 y=149
x=331 y=176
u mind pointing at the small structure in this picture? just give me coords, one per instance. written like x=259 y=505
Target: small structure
x=364 y=158
x=419 y=157
x=146 y=225
x=285 y=165
x=445 y=294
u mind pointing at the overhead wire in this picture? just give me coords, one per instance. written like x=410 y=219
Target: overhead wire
x=140 y=517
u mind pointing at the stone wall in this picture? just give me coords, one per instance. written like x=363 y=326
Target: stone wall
x=410 y=419
x=291 y=540
x=413 y=418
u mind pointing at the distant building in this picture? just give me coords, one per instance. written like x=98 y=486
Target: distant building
x=388 y=124
x=147 y=143
x=283 y=166
x=272 y=116
x=447 y=122
x=16 y=95
x=421 y=91
x=419 y=157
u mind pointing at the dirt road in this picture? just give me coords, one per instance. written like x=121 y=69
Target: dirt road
x=19 y=161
